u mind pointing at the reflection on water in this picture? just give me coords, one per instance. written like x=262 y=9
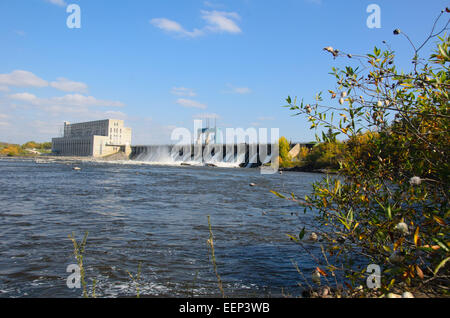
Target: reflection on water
x=156 y=215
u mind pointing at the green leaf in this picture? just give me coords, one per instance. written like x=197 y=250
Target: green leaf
x=389 y=212
x=302 y=234
x=442 y=245
x=350 y=216
x=441 y=264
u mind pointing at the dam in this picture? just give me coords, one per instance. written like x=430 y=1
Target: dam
x=243 y=155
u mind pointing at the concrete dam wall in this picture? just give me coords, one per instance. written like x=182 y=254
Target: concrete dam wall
x=243 y=155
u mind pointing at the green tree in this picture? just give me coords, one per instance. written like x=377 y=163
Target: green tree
x=285 y=147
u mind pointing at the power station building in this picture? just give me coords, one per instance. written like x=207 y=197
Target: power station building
x=94 y=139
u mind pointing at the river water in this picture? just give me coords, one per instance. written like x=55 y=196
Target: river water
x=154 y=215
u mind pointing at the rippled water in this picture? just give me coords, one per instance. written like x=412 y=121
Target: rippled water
x=156 y=215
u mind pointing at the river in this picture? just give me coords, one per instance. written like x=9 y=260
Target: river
x=154 y=215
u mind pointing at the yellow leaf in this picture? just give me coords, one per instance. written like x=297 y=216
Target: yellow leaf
x=416 y=237
x=292 y=237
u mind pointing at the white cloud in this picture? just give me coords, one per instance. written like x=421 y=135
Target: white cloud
x=190 y=103
x=242 y=90
x=216 y=22
x=81 y=100
x=76 y=100
x=60 y=3
x=66 y=85
x=238 y=90
x=220 y=21
x=167 y=25
x=183 y=91
x=174 y=27
x=24 y=97
x=22 y=79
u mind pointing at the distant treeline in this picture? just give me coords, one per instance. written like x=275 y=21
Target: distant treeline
x=12 y=150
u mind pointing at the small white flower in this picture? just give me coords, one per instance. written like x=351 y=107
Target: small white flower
x=379 y=103
x=392 y=295
x=402 y=227
x=313 y=237
x=341 y=101
x=415 y=181
x=344 y=94
x=316 y=277
x=387 y=102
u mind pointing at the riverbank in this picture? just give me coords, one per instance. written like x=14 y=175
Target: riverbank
x=308 y=169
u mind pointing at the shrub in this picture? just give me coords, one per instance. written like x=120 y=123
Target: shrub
x=389 y=205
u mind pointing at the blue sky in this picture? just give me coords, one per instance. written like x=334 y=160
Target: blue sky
x=160 y=64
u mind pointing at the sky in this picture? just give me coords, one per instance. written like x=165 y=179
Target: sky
x=160 y=64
